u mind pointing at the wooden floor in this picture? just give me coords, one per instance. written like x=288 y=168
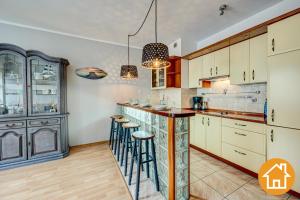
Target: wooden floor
x=90 y=172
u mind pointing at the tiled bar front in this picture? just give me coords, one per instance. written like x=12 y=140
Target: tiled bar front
x=172 y=152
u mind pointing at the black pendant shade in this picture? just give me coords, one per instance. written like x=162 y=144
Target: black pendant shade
x=129 y=72
x=155 y=56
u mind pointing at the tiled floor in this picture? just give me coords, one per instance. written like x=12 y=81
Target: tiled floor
x=214 y=180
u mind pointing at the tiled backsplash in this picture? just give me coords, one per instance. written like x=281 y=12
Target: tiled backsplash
x=246 y=98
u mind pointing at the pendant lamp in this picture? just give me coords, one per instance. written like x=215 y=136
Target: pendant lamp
x=155 y=55
x=128 y=72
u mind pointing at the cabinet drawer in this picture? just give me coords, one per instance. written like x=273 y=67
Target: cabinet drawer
x=242 y=157
x=244 y=125
x=12 y=124
x=43 y=122
x=248 y=140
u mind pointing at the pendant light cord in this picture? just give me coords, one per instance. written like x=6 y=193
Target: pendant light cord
x=147 y=14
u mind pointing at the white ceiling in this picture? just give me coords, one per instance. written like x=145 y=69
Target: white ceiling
x=112 y=20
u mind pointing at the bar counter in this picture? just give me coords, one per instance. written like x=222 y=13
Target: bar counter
x=171 y=129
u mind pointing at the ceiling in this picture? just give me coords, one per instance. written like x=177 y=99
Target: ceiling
x=112 y=20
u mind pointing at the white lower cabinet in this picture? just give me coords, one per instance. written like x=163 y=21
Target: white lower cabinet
x=198 y=131
x=284 y=143
x=242 y=157
x=213 y=135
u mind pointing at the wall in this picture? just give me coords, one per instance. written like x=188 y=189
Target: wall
x=238 y=97
x=269 y=13
x=90 y=102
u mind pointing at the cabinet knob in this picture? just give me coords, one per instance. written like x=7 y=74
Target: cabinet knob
x=244 y=76
x=273 y=44
x=208 y=123
x=211 y=71
x=216 y=70
x=253 y=75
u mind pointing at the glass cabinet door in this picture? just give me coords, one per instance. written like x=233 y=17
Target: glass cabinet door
x=161 y=78
x=154 y=78
x=44 y=81
x=12 y=84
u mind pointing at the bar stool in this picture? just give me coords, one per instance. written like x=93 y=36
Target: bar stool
x=119 y=135
x=113 y=129
x=127 y=143
x=139 y=137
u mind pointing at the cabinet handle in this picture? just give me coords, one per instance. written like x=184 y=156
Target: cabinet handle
x=272 y=115
x=244 y=76
x=208 y=122
x=216 y=70
x=241 y=134
x=272 y=136
x=211 y=71
x=29 y=143
x=202 y=120
x=10 y=125
x=273 y=44
x=253 y=75
x=238 y=124
x=240 y=152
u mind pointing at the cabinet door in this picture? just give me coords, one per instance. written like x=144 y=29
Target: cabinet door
x=192 y=131
x=283 y=36
x=200 y=131
x=12 y=84
x=258 y=59
x=283 y=90
x=195 y=72
x=239 y=63
x=44 y=80
x=213 y=135
x=284 y=143
x=13 y=145
x=221 y=62
x=208 y=65
x=43 y=141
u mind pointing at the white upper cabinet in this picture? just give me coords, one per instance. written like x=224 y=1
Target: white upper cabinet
x=208 y=65
x=239 y=63
x=258 y=59
x=283 y=36
x=283 y=89
x=195 y=72
x=221 y=62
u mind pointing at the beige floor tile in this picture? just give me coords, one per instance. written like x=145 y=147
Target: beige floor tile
x=221 y=184
x=253 y=186
x=213 y=164
x=195 y=158
x=200 y=170
x=193 y=178
x=200 y=190
x=235 y=175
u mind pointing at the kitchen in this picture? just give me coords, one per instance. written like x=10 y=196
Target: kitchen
x=209 y=116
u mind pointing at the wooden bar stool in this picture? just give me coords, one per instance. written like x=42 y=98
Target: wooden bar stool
x=127 y=144
x=119 y=135
x=113 y=129
x=139 y=137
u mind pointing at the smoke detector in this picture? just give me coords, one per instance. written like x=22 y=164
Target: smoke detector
x=222 y=9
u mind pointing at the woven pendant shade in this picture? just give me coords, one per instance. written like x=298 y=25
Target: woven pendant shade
x=155 y=56
x=129 y=72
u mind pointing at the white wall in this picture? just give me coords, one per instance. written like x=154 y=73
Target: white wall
x=265 y=15
x=90 y=102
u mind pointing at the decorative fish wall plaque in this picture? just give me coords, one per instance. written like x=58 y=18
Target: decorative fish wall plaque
x=91 y=73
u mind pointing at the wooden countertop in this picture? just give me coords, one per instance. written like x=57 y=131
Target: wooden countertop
x=168 y=113
x=245 y=116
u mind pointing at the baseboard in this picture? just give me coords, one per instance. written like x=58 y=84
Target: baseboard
x=247 y=171
x=90 y=144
